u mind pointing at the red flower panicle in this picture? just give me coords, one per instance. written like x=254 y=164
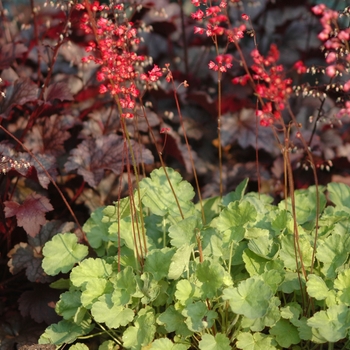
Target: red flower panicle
x=115 y=46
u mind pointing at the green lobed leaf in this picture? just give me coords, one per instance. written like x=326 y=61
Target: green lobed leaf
x=212 y=277
x=158 y=262
x=339 y=194
x=256 y=341
x=254 y=264
x=97 y=231
x=198 y=317
x=108 y=345
x=237 y=194
x=173 y=321
x=90 y=269
x=316 y=287
x=179 y=262
x=333 y=252
x=79 y=346
x=142 y=333
x=305 y=204
x=92 y=276
x=250 y=298
x=65 y=332
x=219 y=342
x=159 y=197
x=285 y=333
x=184 y=232
x=186 y=292
x=69 y=304
x=333 y=324
x=124 y=286
x=62 y=253
x=114 y=316
x=287 y=252
x=167 y=344
x=271 y=317
x=342 y=283
x=233 y=219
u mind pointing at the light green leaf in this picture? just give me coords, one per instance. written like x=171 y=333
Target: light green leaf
x=250 y=298
x=90 y=269
x=237 y=194
x=186 y=292
x=79 y=346
x=65 y=332
x=305 y=203
x=179 y=262
x=108 y=345
x=167 y=344
x=92 y=276
x=158 y=262
x=114 y=316
x=212 y=277
x=160 y=198
x=342 y=283
x=233 y=219
x=264 y=245
x=268 y=320
x=291 y=282
x=286 y=334
x=316 y=287
x=124 y=287
x=142 y=333
x=97 y=231
x=333 y=252
x=287 y=252
x=173 y=321
x=333 y=324
x=256 y=341
x=254 y=264
x=219 y=342
x=184 y=232
x=198 y=317
x=339 y=194
x=68 y=304
x=62 y=253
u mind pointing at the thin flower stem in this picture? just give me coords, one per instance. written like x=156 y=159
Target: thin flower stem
x=189 y=149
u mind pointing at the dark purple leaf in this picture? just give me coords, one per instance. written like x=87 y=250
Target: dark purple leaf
x=99 y=121
x=38 y=304
x=93 y=156
x=9 y=52
x=49 y=163
x=24 y=257
x=30 y=214
x=19 y=93
x=49 y=134
x=57 y=91
x=240 y=127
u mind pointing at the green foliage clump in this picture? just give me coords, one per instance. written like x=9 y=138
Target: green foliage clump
x=163 y=278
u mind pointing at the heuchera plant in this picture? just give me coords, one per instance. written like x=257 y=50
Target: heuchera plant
x=231 y=283
x=94 y=96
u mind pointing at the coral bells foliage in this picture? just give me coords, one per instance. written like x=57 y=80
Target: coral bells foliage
x=271 y=86
x=114 y=50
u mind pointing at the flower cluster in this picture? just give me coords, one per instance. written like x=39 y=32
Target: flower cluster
x=217 y=24
x=336 y=45
x=271 y=87
x=120 y=65
x=335 y=41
